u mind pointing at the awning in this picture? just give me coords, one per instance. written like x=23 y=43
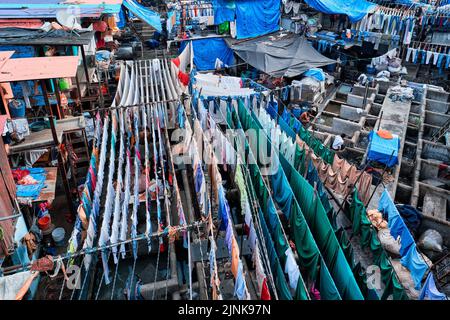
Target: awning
x=39 y=37
x=354 y=9
x=147 y=15
x=22 y=69
x=31 y=9
x=280 y=55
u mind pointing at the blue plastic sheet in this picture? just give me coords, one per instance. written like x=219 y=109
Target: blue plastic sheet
x=206 y=51
x=315 y=73
x=225 y=10
x=429 y=290
x=411 y=259
x=414 y=262
x=383 y=150
x=255 y=18
x=354 y=9
x=145 y=14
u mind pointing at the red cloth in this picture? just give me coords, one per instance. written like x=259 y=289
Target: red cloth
x=18 y=174
x=184 y=78
x=176 y=62
x=265 y=294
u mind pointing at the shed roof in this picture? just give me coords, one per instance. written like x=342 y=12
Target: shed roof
x=38 y=37
x=22 y=69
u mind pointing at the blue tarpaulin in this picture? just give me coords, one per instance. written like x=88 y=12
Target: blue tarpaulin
x=315 y=73
x=255 y=18
x=429 y=290
x=206 y=51
x=354 y=9
x=411 y=259
x=224 y=10
x=148 y=16
x=381 y=149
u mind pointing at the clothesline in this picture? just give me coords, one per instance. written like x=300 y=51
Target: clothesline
x=159 y=235
x=142 y=104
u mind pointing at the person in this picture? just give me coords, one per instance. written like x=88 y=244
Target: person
x=182 y=262
x=6 y=137
x=338 y=143
x=332 y=20
x=305 y=118
x=342 y=22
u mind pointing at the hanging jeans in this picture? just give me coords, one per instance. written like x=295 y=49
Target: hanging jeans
x=415 y=55
x=435 y=58
x=429 y=55
x=439 y=62
x=423 y=54
x=408 y=54
x=447 y=61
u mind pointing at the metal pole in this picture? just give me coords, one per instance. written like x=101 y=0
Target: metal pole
x=379 y=121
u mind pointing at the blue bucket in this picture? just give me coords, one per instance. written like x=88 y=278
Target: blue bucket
x=371 y=70
x=17 y=108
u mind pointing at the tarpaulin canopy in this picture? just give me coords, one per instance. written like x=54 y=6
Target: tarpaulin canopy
x=280 y=55
x=147 y=15
x=257 y=17
x=254 y=18
x=354 y=9
x=207 y=51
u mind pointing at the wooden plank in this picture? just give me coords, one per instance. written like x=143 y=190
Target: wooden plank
x=22 y=69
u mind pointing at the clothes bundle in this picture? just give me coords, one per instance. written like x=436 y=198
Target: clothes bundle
x=31 y=184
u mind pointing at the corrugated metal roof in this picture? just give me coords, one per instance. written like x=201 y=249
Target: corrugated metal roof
x=37 y=37
x=21 y=23
x=22 y=69
x=12 y=9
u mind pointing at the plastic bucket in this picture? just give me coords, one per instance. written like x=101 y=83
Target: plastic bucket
x=44 y=222
x=58 y=236
x=371 y=70
x=17 y=108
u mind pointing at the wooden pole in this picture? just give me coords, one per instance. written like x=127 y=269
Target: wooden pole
x=62 y=169
x=83 y=55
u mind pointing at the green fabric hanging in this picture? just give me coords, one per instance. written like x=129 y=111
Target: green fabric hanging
x=327 y=287
x=306 y=246
x=300 y=292
x=224 y=27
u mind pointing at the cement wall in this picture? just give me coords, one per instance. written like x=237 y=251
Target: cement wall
x=357 y=101
x=344 y=126
x=437 y=106
x=436 y=119
x=361 y=90
x=437 y=95
x=351 y=113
